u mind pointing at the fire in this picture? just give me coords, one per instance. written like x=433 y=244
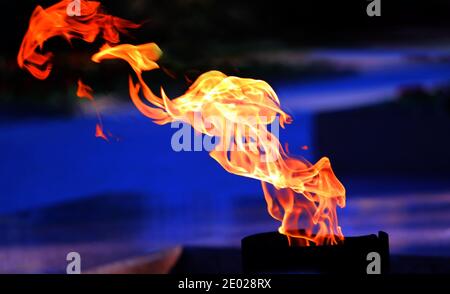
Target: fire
x=301 y=195
x=54 y=22
x=85 y=91
x=99 y=132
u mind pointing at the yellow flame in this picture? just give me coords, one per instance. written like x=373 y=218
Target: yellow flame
x=300 y=195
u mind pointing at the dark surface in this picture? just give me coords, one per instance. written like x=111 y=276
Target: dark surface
x=271 y=252
x=111 y=228
x=203 y=260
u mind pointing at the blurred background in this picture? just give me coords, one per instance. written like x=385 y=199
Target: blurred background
x=371 y=93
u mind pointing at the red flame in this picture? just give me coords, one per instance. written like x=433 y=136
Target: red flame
x=54 y=21
x=84 y=91
x=302 y=196
x=99 y=132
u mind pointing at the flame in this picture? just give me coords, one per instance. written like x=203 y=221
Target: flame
x=84 y=91
x=236 y=110
x=54 y=21
x=99 y=132
x=302 y=196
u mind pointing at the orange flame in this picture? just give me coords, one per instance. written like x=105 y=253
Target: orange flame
x=99 y=132
x=84 y=91
x=301 y=195
x=54 y=21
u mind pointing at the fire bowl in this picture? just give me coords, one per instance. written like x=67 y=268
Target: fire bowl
x=271 y=253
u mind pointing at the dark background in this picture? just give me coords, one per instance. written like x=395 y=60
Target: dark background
x=371 y=93
x=199 y=35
